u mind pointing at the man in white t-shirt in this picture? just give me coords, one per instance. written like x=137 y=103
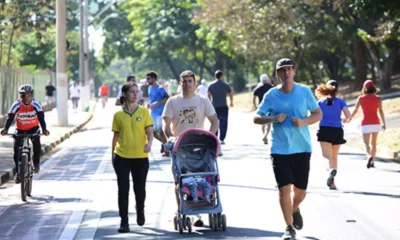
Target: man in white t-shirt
x=74 y=93
x=202 y=89
x=188 y=110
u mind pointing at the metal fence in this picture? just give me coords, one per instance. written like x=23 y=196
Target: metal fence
x=11 y=79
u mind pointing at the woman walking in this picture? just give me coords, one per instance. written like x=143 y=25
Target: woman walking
x=370 y=125
x=330 y=133
x=133 y=137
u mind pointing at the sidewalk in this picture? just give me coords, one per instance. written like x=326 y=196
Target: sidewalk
x=76 y=120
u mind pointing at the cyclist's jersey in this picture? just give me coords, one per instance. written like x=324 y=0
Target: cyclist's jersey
x=26 y=116
x=104 y=90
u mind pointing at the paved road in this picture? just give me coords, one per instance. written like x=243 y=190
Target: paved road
x=75 y=195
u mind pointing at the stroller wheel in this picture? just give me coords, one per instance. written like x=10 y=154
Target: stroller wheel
x=215 y=222
x=219 y=220
x=210 y=221
x=223 y=222
x=189 y=224
x=175 y=223
x=180 y=225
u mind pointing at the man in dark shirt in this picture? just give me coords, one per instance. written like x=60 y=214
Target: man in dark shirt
x=217 y=92
x=50 y=89
x=259 y=92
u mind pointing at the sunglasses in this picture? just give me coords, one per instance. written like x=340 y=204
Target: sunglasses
x=25 y=95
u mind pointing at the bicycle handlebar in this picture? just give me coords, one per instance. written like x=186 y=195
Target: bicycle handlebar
x=24 y=134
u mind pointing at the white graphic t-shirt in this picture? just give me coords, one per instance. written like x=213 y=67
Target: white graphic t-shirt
x=187 y=113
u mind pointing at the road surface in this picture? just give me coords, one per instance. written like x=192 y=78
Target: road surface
x=75 y=194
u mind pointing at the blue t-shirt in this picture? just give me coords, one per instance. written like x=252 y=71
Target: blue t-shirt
x=331 y=114
x=156 y=94
x=286 y=137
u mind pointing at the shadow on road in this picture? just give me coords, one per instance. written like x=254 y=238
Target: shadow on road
x=373 y=194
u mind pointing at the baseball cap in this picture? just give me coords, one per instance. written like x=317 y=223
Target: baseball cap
x=263 y=77
x=284 y=62
x=368 y=84
x=333 y=83
x=203 y=81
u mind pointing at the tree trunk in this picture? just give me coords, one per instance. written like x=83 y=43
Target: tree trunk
x=171 y=65
x=361 y=64
x=10 y=45
x=388 y=68
x=1 y=48
x=332 y=62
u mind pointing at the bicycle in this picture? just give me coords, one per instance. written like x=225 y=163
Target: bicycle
x=25 y=168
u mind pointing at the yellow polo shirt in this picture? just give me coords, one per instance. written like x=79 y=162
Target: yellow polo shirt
x=132 y=132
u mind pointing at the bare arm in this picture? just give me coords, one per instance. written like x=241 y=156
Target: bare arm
x=254 y=101
x=355 y=109
x=161 y=102
x=315 y=116
x=382 y=114
x=149 y=134
x=209 y=95
x=346 y=113
x=231 y=97
x=114 y=143
x=214 y=123
x=259 y=119
x=167 y=126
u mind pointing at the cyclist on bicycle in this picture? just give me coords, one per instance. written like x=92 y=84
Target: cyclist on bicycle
x=28 y=113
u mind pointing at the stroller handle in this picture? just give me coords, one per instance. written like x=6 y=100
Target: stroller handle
x=199 y=174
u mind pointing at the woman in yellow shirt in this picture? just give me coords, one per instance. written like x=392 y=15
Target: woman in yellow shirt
x=133 y=137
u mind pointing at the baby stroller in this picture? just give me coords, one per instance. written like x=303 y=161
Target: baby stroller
x=194 y=154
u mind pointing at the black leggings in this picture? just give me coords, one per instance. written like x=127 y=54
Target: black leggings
x=37 y=148
x=139 y=168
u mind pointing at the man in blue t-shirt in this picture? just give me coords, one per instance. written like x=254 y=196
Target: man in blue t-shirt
x=287 y=106
x=157 y=99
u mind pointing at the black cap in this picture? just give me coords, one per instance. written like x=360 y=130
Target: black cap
x=333 y=83
x=284 y=62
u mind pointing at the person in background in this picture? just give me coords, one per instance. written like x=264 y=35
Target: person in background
x=104 y=91
x=28 y=115
x=370 y=104
x=217 y=92
x=50 y=89
x=128 y=79
x=131 y=144
x=173 y=86
x=330 y=134
x=202 y=89
x=158 y=98
x=259 y=93
x=74 y=91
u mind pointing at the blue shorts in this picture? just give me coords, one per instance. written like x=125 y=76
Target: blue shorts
x=157 y=124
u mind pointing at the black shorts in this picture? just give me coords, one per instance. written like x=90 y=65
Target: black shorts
x=291 y=169
x=333 y=135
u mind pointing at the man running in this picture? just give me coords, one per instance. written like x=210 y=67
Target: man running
x=287 y=106
x=217 y=91
x=197 y=109
x=158 y=97
x=259 y=93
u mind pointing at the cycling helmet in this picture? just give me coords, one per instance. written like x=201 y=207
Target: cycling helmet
x=25 y=88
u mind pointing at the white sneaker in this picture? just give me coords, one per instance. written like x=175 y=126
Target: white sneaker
x=220 y=154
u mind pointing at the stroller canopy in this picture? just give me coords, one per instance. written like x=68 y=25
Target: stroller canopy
x=198 y=136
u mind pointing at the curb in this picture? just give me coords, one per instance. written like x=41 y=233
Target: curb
x=47 y=148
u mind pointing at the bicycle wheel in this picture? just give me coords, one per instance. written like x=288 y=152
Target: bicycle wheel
x=22 y=172
x=29 y=179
